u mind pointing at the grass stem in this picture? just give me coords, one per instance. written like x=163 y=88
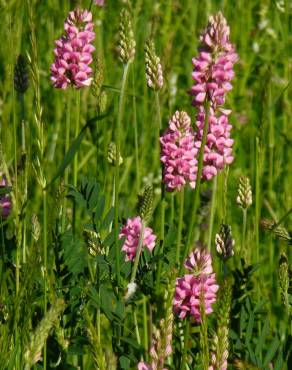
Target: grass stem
x=212 y=214
x=117 y=167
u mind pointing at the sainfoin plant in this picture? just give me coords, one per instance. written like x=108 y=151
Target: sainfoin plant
x=144 y=187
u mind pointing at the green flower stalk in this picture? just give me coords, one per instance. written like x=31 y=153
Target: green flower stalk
x=126 y=51
x=220 y=344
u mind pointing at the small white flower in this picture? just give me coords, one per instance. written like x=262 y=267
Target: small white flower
x=131 y=289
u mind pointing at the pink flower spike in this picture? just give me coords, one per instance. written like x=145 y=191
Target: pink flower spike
x=178 y=153
x=189 y=292
x=131 y=231
x=73 y=52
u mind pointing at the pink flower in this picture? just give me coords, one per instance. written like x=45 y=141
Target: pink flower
x=213 y=68
x=99 y=2
x=218 y=148
x=5 y=201
x=190 y=291
x=213 y=73
x=73 y=52
x=131 y=231
x=199 y=262
x=144 y=366
x=178 y=153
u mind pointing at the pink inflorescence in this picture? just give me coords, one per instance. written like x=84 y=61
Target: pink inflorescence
x=178 y=153
x=73 y=53
x=192 y=291
x=213 y=73
x=199 y=262
x=5 y=200
x=99 y=2
x=218 y=148
x=131 y=231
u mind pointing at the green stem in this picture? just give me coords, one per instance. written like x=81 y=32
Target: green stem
x=257 y=198
x=136 y=326
x=25 y=181
x=145 y=324
x=117 y=169
x=204 y=337
x=185 y=349
x=244 y=218
x=138 y=252
x=77 y=129
x=180 y=224
x=75 y=163
x=195 y=203
x=212 y=214
x=16 y=192
x=67 y=144
x=158 y=111
x=45 y=256
x=226 y=173
x=162 y=200
x=136 y=137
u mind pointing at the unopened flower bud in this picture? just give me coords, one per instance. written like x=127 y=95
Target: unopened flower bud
x=112 y=154
x=146 y=203
x=127 y=43
x=244 y=197
x=224 y=242
x=154 y=75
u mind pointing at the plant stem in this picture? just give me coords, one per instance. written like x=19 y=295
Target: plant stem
x=180 y=224
x=67 y=144
x=195 y=203
x=24 y=154
x=145 y=324
x=212 y=213
x=117 y=169
x=162 y=200
x=77 y=129
x=136 y=137
x=75 y=163
x=45 y=256
x=257 y=197
x=244 y=218
x=226 y=173
x=16 y=193
x=185 y=350
x=136 y=326
x=204 y=338
x=138 y=252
